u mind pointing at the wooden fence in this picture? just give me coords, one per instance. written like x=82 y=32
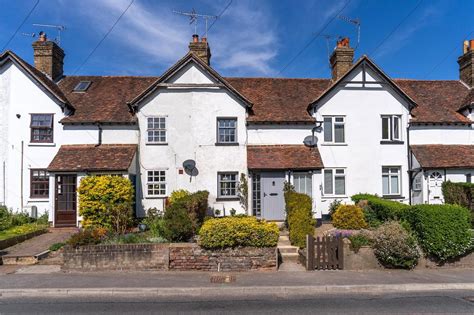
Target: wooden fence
x=324 y=253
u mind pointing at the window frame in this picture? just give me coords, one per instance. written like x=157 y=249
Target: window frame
x=155 y=129
x=390 y=175
x=334 y=174
x=303 y=174
x=33 y=182
x=87 y=85
x=218 y=141
x=220 y=196
x=391 y=128
x=159 y=182
x=333 y=129
x=33 y=128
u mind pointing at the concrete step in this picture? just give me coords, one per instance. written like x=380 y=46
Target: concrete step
x=284 y=238
x=287 y=249
x=23 y=259
x=289 y=257
x=284 y=233
x=291 y=266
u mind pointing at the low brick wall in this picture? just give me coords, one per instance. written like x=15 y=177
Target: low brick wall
x=193 y=257
x=466 y=261
x=185 y=257
x=117 y=257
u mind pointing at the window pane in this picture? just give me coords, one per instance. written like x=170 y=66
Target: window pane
x=394 y=185
x=327 y=129
x=328 y=182
x=340 y=185
x=226 y=130
x=385 y=186
x=385 y=128
x=339 y=133
x=303 y=183
x=396 y=128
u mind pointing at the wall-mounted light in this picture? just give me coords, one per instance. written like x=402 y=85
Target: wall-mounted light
x=18 y=116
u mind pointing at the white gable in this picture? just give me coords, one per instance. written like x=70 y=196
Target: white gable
x=191 y=73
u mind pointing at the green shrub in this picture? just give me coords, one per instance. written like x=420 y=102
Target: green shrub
x=196 y=205
x=9 y=219
x=299 y=217
x=385 y=210
x=43 y=219
x=87 y=236
x=56 y=246
x=442 y=230
x=333 y=206
x=238 y=231
x=349 y=217
x=461 y=194
x=154 y=222
x=177 y=223
x=106 y=201
x=394 y=247
x=359 y=240
x=178 y=194
x=370 y=216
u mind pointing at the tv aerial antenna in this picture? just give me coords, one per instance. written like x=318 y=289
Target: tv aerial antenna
x=328 y=38
x=59 y=28
x=194 y=16
x=356 y=23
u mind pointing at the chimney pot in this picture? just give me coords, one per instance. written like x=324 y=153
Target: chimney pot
x=42 y=37
x=201 y=48
x=195 y=38
x=204 y=40
x=466 y=63
x=341 y=58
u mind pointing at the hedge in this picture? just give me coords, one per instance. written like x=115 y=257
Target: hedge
x=442 y=230
x=236 y=231
x=384 y=210
x=461 y=194
x=299 y=217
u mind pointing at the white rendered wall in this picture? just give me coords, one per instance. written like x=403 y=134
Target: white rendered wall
x=191 y=118
x=278 y=134
x=441 y=135
x=362 y=155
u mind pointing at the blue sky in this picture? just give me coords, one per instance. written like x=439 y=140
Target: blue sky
x=252 y=38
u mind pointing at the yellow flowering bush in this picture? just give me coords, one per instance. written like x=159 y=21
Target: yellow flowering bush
x=349 y=217
x=106 y=201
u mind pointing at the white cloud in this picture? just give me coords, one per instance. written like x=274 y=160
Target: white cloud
x=242 y=40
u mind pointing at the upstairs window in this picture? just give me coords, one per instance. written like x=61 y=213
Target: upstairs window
x=156 y=130
x=334 y=129
x=41 y=128
x=82 y=86
x=391 y=127
x=39 y=184
x=226 y=130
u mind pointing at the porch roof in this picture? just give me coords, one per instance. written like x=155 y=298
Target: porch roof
x=89 y=157
x=283 y=157
x=432 y=156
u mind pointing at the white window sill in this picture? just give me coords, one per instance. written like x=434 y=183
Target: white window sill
x=334 y=144
x=38 y=200
x=156 y=143
x=156 y=197
x=335 y=197
x=41 y=144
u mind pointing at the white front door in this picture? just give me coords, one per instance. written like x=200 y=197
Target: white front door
x=435 y=193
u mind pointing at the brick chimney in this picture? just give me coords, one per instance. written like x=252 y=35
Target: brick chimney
x=466 y=63
x=201 y=48
x=48 y=57
x=341 y=59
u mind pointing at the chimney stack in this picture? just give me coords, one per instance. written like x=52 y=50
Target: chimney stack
x=201 y=48
x=341 y=59
x=466 y=63
x=49 y=57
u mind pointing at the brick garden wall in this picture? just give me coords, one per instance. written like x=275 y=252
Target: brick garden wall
x=184 y=257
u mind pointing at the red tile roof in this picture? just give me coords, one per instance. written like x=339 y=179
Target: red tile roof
x=105 y=100
x=438 y=101
x=444 y=156
x=283 y=157
x=88 y=157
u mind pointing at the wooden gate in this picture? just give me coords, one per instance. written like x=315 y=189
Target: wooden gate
x=324 y=253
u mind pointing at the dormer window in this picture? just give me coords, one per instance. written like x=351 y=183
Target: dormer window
x=82 y=86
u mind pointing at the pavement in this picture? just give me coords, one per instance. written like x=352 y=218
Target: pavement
x=25 y=252
x=42 y=280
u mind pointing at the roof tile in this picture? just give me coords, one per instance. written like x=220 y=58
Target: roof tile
x=281 y=157
x=444 y=156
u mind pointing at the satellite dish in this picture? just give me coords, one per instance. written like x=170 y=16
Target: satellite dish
x=190 y=167
x=310 y=141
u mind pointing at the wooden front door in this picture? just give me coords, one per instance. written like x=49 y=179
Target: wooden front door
x=65 y=200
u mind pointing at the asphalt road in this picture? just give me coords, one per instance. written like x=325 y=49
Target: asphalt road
x=450 y=302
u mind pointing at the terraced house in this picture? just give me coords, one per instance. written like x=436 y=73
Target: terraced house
x=190 y=128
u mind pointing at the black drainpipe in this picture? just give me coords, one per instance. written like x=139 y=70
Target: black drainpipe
x=410 y=173
x=99 y=140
